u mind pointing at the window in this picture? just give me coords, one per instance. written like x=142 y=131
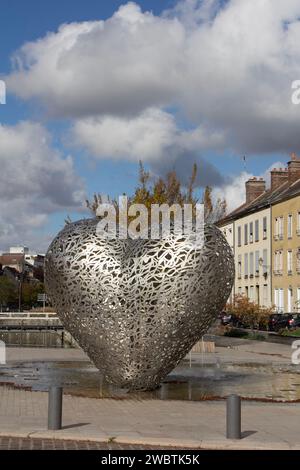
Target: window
x=276 y=230
x=276 y=298
x=251 y=264
x=290 y=300
x=290 y=226
x=246 y=264
x=276 y=261
x=256 y=230
x=256 y=262
x=281 y=300
x=257 y=295
x=278 y=264
x=298 y=299
x=289 y=261
x=265 y=261
x=298 y=260
x=246 y=234
x=239 y=236
x=239 y=266
x=280 y=260
x=251 y=232
x=264 y=228
x=240 y=291
x=279 y=228
x=280 y=233
x=251 y=293
x=265 y=295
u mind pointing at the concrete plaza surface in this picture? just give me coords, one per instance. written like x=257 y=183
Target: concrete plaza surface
x=150 y=422
x=230 y=350
x=153 y=422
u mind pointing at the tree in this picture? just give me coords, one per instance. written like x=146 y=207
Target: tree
x=213 y=211
x=8 y=292
x=167 y=190
x=249 y=313
x=30 y=292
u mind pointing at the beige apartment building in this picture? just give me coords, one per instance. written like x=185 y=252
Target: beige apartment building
x=266 y=239
x=286 y=250
x=253 y=257
x=251 y=243
x=228 y=232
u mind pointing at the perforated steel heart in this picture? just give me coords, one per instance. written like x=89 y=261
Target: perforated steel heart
x=137 y=306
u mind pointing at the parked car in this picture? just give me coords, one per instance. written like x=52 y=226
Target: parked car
x=228 y=318
x=294 y=321
x=279 y=321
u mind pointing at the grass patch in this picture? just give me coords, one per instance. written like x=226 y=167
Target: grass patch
x=236 y=333
x=292 y=333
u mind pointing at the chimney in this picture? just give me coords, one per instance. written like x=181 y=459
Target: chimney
x=294 y=168
x=278 y=177
x=254 y=188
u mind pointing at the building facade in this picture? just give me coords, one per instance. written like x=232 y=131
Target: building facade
x=266 y=239
x=228 y=232
x=286 y=255
x=253 y=257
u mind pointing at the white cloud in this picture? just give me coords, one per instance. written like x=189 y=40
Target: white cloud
x=228 y=68
x=121 y=65
x=35 y=181
x=233 y=192
x=144 y=137
x=149 y=136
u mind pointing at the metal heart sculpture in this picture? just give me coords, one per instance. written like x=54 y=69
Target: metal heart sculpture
x=137 y=307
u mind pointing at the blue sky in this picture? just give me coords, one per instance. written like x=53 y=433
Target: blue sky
x=204 y=93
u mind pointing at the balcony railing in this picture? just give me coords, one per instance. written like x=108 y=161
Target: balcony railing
x=277 y=272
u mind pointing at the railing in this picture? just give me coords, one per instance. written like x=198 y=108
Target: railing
x=26 y=315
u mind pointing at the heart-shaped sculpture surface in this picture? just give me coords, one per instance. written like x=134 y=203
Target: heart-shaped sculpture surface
x=137 y=307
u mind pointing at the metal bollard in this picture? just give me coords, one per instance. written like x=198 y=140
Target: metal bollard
x=55 y=408
x=233 y=417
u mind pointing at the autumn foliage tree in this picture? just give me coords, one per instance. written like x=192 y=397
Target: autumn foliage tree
x=167 y=190
x=249 y=313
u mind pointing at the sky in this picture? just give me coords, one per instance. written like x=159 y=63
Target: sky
x=95 y=86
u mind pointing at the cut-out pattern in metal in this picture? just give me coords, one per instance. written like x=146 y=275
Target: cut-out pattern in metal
x=137 y=306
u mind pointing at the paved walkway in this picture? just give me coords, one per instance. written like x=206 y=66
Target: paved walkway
x=150 y=422
x=29 y=443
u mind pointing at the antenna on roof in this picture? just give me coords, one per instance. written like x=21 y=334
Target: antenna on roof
x=244 y=160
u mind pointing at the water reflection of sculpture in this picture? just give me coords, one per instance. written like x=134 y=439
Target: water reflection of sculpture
x=137 y=306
